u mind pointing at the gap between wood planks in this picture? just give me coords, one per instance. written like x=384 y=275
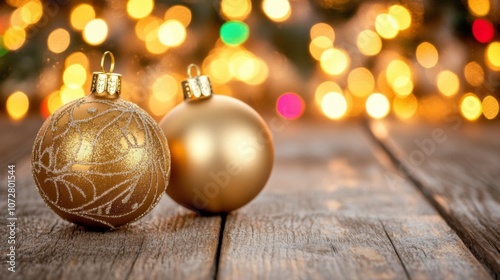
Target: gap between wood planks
x=403 y=168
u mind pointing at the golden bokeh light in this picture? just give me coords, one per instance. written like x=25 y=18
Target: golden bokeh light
x=218 y=69
x=405 y=107
x=159 y=107
x=139 y=8
x=277 y=10
x=490 y=107
x=153 y=44
x=399 y=77
x=470 y=107
x=70 y=93
x=377 y=106
x=172 y=33
x=322 y=29
x=14 y=38
x=58 y=40
x=17 y=3
x=479 y=8
x=318 y=45
x=32 y=11
x=360 y=82
x=401 y=15
x=474 y=74
x=17 y=105
x=81 y=15
x=334 y=105
x=165 y=88
x=386 y=26
x=369 y=43
x=448 y=83
x=54 y=101
x=146 y=25
x=236 y=9
x=179 y=13
x=16 y=19
x=75 y=75
x=493 y=55
x=334 y=61
x=427 y=55
x=323 y=89
x=95 y=32
x=77 y=58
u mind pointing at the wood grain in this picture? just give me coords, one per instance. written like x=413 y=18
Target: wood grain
x=335 y=209
x=169 y=242
x=456 y=165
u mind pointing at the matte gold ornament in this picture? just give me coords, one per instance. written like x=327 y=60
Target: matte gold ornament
x=222 y=150
x=101 y=162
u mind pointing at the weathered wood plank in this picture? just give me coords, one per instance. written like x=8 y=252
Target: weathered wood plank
x=456 y=166
x=16 y=138
x=169 y=242
x=334 y=209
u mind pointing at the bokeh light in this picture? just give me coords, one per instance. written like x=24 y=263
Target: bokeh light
x=399 y=77
x=81 y=15
x=474 y=74
x=334 y=61
x=322 y=29
x=483 y=30
x=17 y=105
x=360 y=82
x=470 y=107
x=165 y=88
x=14 y=38
x=139 y=8
x=318 y=45
x=236 y=9
x=277 y=10
x=179 y=13
x=172 y=33
x=490 y=107
x=290 y=106
x=401 y=15
x=448 y=83
x=234 y=33
x=405 y=107
x=427 y=55
x=323 y=89
x=75 y=75
x=77 y=58
x=386 y=26
x=493 y=55
x=369 y=43
x=334 y=105
x=479 y=8
x=71 y=93
x=58 y=40
x=377 y=106
x=32 y=11
x=95 y=32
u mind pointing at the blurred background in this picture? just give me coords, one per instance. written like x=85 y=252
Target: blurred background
x=322 y=59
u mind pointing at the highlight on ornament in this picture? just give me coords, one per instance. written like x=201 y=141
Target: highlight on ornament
x=100 y=161
x=222 y=149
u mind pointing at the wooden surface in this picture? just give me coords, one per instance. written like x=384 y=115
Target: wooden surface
x=340 y=204
x=457 y=166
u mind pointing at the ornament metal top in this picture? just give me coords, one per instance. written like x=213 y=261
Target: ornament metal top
x=100 y=161
x=222 y=150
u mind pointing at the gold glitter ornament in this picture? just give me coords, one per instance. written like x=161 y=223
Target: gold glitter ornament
x=101 y=162
x=222 y=150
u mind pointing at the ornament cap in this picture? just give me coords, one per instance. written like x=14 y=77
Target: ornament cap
x=106 y=84
x=196 y=87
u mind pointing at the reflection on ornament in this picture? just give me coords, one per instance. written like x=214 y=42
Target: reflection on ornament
x=222 y=150
x=99 y=161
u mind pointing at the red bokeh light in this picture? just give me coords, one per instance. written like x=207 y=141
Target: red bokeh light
x=483 y=30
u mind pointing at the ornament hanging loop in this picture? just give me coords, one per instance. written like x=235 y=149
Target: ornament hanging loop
x=196 y=87
x=190 y=70
x=106 y=84
x=112 y=65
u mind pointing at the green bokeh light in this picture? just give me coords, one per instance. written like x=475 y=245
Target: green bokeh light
x=234 y=33
x=3 y=50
